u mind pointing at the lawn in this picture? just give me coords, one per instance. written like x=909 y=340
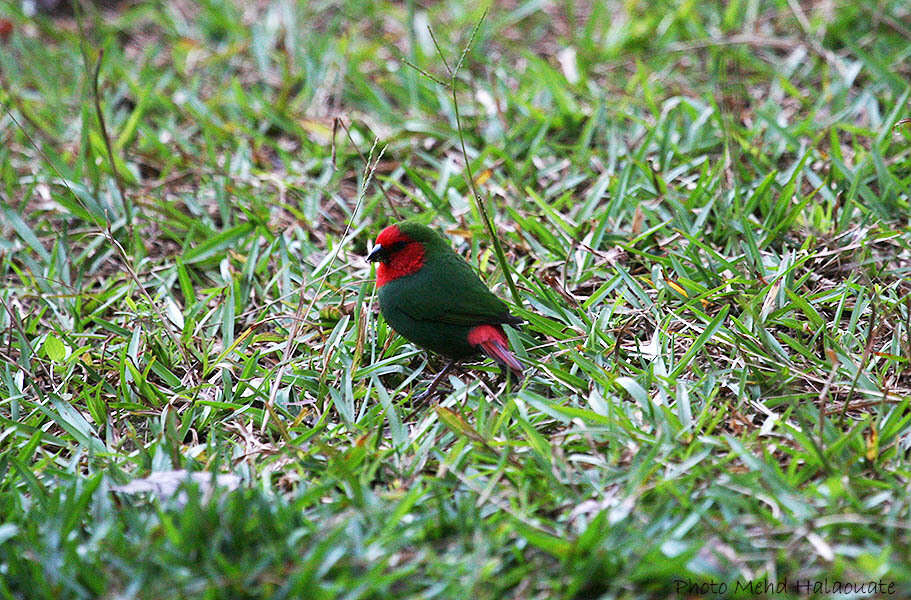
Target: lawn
x=705 y=215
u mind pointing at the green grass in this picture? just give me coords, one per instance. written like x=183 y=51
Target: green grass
x=705 y=207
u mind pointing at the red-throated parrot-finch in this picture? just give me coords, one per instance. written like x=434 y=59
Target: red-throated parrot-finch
x=432 y=297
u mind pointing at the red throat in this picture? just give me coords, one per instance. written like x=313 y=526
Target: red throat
x=405 y=261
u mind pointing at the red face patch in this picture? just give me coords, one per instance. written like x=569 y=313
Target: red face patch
x=405 y=256
x=391 y=235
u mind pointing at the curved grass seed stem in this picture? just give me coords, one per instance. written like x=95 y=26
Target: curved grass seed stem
x=479 y=202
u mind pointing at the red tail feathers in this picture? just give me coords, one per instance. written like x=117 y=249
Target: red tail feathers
x=492 y=341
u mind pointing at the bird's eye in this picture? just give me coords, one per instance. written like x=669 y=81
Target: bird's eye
x=398 y=246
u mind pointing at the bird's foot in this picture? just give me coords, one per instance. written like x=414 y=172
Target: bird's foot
x=423 y=396
x=426 y=395
x=419 y=401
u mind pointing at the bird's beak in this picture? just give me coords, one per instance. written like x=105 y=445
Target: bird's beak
x=378 y=253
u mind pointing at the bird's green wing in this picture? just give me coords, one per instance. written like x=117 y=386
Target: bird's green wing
x=447 y=290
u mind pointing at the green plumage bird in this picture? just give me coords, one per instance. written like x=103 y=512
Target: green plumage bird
x=433 y=298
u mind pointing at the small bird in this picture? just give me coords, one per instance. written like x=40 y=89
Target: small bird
x=432 y=297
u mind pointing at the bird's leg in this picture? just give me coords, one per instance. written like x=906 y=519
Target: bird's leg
x=433 y=384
